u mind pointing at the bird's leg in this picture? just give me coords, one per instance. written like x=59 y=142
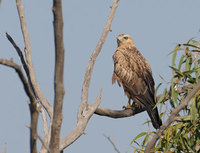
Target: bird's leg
x=129 y=106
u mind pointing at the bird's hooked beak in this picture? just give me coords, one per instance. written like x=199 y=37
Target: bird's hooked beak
x=118 y=41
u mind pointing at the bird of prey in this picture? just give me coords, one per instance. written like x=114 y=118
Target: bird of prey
x=133 y=72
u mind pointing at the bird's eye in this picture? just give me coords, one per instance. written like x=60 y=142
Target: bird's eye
x=126 y=37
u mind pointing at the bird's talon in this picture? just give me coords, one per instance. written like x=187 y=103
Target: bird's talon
x=127 y=107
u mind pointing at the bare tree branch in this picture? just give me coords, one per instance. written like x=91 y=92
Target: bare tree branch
x=29 y=64
x=81 y=125
x=32 y=105
x=86 y=111
x=118 y=113
x=88 y=73
x=114 y=146
x=172 y=117
x=19 y=52
x=58 y=79
x=137 y=109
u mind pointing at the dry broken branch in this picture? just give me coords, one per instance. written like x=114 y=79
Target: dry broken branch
x=172 y=117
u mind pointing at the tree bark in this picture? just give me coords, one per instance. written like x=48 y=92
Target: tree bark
x=58 y=78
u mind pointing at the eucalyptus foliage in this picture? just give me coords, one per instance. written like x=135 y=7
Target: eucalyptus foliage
x=183 y=135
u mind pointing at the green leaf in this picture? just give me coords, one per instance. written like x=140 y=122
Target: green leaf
x=157 y=91
x=193 y=109
x=188 y=63
x=174 y=54
x=194 y=42
x=161 y=98
x=189 y=72
x=195 y=50
x=187 y=143
x=181 y=62
x=149 y=121
x=174 y=94
x=145 y=140
x=184 y=145
x=196 y=67
x=178 y=72
x=197 y=146
x=191 y=45
x=138 y=136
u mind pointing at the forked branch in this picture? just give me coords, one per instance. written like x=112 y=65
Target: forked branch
x=86 y=111
x=88 y=73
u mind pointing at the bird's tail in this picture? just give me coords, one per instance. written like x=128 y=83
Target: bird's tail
x=149 y=104
x=155 y=119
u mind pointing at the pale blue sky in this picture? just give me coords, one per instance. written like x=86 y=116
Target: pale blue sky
x=156 y=27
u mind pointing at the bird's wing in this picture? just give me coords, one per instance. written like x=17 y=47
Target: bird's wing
x=135 y=74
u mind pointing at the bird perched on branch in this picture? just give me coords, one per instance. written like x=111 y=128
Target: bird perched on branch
x=133 y=72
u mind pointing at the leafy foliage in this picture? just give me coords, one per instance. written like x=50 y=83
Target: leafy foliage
x=184 y=133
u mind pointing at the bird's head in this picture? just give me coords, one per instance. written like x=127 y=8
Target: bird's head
x=124 y=39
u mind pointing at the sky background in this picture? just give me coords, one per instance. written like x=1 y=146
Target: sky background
x=155 y=26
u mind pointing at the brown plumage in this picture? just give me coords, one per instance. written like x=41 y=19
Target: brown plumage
x=132 y=70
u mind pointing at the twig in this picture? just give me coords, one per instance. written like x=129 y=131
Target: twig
x=172 y=117
x=109 y=139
